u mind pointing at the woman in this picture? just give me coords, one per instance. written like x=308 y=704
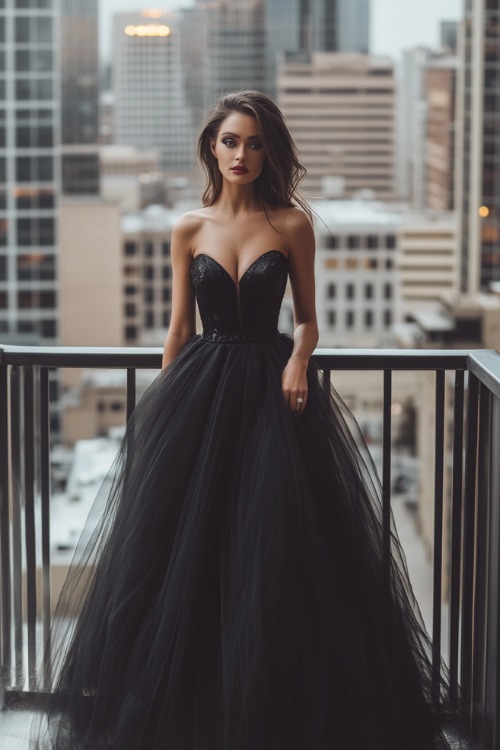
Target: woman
x=239 y=600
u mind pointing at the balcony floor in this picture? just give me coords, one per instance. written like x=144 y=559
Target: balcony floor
x=15 y=724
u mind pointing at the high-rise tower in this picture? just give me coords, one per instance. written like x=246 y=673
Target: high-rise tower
x=48 y=134
x=478 y=145
x=151 y=105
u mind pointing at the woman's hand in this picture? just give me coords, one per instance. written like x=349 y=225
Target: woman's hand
x=294 y=383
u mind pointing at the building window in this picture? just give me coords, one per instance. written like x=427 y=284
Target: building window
x=165 y=248
x=166 y=294
x=34 y=169
x=373 y=263
x=391 y=241
x=331 y=317
x=47 y=300
x=350 y=291
x=372 y=242
x=166 y=319
x=149 y=295
x=166 y=272
x=48 y=329
x=130 y=310
x=331 y=291
x=353 y=242
x=149 y=320
x=368 y=291
x=388 y=291
x=388 y=264
x=368 y=318
x=130 y=333
x=149 y=273
x=332 y=242
x=349 y=319
x=387 y=318
x=130 y=290
x=130 y=248
x=4 y=228
x=149 y=249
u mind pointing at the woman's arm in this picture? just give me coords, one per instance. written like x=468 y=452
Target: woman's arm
x=301 y=263
x=182 y=322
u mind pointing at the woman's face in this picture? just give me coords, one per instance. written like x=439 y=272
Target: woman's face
x=239 y=149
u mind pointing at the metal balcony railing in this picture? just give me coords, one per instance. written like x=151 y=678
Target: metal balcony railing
x=472 y=523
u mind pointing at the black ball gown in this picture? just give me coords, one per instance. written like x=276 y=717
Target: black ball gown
x=238 y=599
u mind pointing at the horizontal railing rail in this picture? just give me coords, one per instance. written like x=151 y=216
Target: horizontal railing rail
x=466 y=517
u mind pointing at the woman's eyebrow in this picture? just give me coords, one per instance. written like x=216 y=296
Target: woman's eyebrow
x=235 y=135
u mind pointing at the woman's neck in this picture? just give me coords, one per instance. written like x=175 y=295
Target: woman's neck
x=237 y=200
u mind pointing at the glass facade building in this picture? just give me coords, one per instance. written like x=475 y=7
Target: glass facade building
x=79 y=70
x=29 y=171
x=48 y=146
x=480 y=148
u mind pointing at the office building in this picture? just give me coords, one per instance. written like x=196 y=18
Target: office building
x=357 y=277
x=411 y=118
x=440 y=95
x=340 y=110
x=428 y=261
x=151 y=109
x=78 y=68
x=48 y=121
x=478 y=146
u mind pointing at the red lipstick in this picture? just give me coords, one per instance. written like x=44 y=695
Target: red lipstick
x=239 y=170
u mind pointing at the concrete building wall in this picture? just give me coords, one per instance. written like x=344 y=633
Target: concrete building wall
x=428 y=260
x=340 y=110
x=90 y=273
x=357 y=277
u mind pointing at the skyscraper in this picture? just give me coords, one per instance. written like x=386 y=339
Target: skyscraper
x=478 y=145
x=340 y=110
x=79 y=71
x=337 y=25
x=151 y=105
x=48 y=121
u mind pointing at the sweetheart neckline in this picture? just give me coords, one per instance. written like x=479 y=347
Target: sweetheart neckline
x=238 y=282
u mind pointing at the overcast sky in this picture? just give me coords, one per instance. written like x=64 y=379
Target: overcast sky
x=396 y=24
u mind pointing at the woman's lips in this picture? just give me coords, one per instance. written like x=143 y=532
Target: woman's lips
x=239 y=170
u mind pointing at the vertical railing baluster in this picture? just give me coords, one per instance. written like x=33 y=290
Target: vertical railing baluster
x=131 y=391
x=438 y=529
x=30 y=529
x=386 y=476
x=481 y=544
x=492 y=662
x=45 y=516
x=468 y=560
x=456 y=532
x=5 y=578
x=17 y=502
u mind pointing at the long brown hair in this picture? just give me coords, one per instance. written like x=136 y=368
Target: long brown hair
x=276 y=186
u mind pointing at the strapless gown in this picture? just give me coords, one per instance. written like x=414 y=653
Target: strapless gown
x=238 y=599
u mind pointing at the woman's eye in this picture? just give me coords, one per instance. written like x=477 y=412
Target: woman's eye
x=256 y=146
x=228 y=142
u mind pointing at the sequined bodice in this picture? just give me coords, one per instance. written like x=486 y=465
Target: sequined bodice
x=245 y=311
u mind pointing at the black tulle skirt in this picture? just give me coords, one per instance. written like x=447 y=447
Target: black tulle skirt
x=237 y=598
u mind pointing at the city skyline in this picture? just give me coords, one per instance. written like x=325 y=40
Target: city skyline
x=395 y=26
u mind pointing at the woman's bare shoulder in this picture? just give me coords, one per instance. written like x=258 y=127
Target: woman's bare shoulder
x=296 y=226
x=189 y=224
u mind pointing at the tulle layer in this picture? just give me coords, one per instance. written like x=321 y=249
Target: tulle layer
x=238 y=599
